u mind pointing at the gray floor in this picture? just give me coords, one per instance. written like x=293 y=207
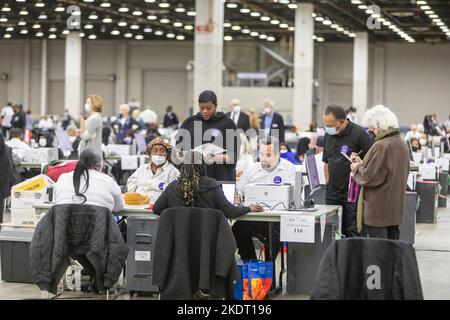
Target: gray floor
x=433 y=255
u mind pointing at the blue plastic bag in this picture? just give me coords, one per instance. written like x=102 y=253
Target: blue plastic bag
x=255 y=281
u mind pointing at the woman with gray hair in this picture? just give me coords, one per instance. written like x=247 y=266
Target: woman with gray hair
x=382 y=176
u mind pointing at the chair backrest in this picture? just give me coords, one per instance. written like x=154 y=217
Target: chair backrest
x=193 y=247
x=363 y=268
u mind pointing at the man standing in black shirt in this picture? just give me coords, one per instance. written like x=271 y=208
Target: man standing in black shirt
x=342 y=136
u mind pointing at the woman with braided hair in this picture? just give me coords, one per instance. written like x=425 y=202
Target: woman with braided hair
x=194 y=188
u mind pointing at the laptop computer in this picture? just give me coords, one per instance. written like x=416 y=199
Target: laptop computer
x=229 y=189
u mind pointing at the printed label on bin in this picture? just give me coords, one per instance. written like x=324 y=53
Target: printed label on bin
x=277 y=180
x=142 y=256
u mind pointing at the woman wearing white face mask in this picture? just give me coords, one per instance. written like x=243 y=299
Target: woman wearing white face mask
x=91 y=129
x=151 y=179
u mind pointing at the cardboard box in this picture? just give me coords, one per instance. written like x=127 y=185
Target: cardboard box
x=26 y=199
x=38 y=183
x=23 y=217
x=39 y=155
x=30 y=192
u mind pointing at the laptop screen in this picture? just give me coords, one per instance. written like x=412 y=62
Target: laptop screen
x=229 y=190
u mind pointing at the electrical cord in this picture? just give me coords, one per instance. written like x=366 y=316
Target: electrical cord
x=273 y=207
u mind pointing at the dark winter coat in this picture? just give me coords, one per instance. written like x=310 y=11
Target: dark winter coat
x=71 y=230
x=194 y=250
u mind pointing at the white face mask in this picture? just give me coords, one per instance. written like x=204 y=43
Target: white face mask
x=87 y=107
x=42 y=142
x=72 y=139
x=267 y=110
x=158 y=160
x=237 y=109
x=423 y=142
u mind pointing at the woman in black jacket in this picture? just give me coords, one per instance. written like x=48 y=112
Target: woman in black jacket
x=195 y=189
x=18 y=120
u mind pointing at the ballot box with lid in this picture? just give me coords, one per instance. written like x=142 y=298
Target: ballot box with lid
x=15 y=254
x=141 y=236
x=427 y=192
x=408 y=228
x=443 y=182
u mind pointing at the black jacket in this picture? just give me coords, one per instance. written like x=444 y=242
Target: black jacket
x=243 y=121
x=210 y=196
x=277 y=124
x=349 y=267
x=170 y=120
x=18 y=120
x=71 y=230
x=216 y=126
x=6 y=176
x=194 y=250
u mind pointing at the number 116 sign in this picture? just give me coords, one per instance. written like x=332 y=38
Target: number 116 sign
x=297 y=228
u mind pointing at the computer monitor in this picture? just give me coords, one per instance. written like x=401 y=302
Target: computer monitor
x=411 y=156
x=141 y=144
x=313 y=174
x=229 y=189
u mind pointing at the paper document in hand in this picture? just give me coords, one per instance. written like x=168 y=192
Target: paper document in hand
x=209 y=149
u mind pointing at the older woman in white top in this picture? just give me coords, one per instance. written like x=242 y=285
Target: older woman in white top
x=152 y=179
x=88 y=185
x=91 y=129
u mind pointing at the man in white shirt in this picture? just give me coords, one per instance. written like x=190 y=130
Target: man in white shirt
x=16 y=141
x=6 y=115
x=272 y=170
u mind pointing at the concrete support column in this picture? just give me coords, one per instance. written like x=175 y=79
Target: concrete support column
x=44 y=78
x=74 y=75
x=208 y=46
x=378 y=75
x=26 y=76
x=360 y=73
x=122 y=72
x=303 y=65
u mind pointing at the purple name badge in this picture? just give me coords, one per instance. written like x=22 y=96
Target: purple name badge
x=344 y=149
x=277 y=180
x=216 y=133
x=161 y=186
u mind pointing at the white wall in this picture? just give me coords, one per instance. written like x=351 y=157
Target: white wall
x=417 y=81
x=412 y=79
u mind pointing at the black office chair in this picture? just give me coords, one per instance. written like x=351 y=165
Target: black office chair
x=368 y=269
x=194 y=255
x=86 y=233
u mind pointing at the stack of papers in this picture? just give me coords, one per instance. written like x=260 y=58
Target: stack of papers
x=209 y=149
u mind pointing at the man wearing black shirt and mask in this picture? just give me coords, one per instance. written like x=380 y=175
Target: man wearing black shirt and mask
x=342 y=136
x=214 y=127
